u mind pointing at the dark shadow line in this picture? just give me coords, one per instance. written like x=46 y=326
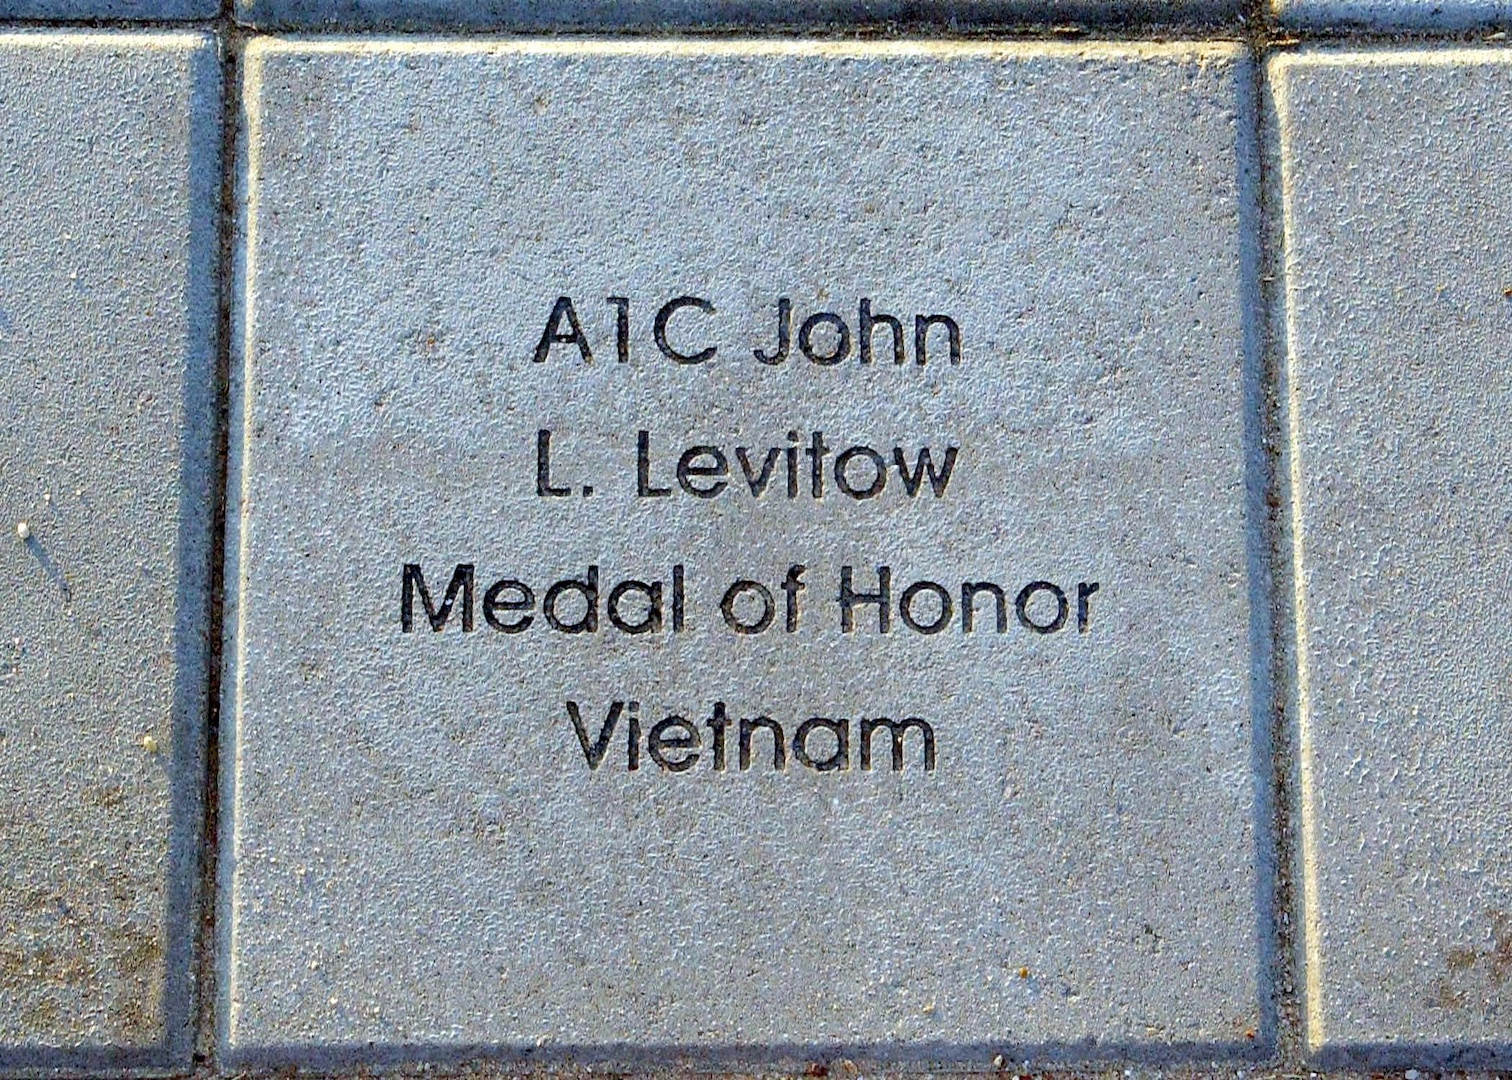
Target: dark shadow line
x=194 y=596
x=229 y=128
x=1258 y=547
x=81 y=1061
x=1422 y=1055
x=933 y=17
x=682 y=1057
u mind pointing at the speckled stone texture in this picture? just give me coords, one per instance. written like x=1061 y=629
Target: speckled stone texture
x=80 y=10
x=1398 y=221
x=418 y=860
x=109 y=181
x=1385 y=15
x=681 y=14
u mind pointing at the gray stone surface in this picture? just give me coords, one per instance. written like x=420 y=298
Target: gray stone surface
x=610 y=14
x=108 y=182
x=1398 y=194
x=418 y=860
x=74 y=10
x=1390 y=14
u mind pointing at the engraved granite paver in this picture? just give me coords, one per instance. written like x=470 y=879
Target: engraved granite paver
x=1398 y=197
x=109 y=182
x=634 y=351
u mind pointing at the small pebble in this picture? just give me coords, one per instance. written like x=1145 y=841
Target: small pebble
x=1411 y=1074
x=23 y=530
x=149 y=744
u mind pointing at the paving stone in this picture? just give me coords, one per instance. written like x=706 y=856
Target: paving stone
x=425 y=858
x=610 y=14
x=74 y=10
x=1390 y=14
x=109 y=182
x=1397 y=198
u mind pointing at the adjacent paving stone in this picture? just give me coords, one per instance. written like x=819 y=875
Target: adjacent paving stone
x=1391 y=14
x=1398 y=193
x=109 y=183
x=420 y=860
x=608 y=14
x=73 y=10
